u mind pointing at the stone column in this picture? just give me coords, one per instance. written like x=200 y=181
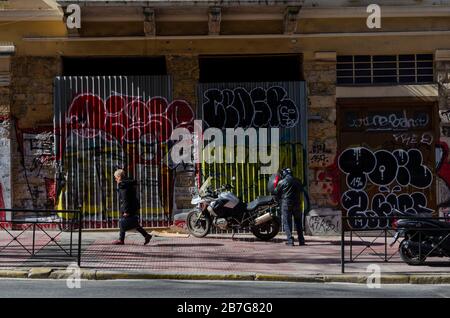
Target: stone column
x=320 y=75
x=33 y=169
x=5 y=132
x=442 y=67
x=185 y=73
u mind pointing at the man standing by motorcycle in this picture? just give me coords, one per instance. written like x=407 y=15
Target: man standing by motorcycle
x=288 y=191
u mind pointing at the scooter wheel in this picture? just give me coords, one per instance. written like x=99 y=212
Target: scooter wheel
x=198 y=224
x=409 y=256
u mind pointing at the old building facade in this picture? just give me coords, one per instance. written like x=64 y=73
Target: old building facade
x=364 y=112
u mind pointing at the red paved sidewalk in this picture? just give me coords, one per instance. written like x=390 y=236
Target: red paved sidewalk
x=243 y=255
x=216 y=255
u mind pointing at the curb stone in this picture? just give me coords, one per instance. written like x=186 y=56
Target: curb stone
x=430 y=279
x=90 y=274
x=39 y=272
x=63 y=274
x=280 y=278
x=345 y=278
x=14 y=273
x=395 y=279
x=101 y=275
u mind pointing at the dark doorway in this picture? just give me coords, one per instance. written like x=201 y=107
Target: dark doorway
x=111 y=66
x=250 y=68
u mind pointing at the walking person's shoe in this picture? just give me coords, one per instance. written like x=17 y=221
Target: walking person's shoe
x=147 y=239
x=118 y=242
x=290 y=243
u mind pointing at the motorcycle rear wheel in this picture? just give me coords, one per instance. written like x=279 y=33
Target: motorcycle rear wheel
x=268 y=230
x=408 y=256
x=197 y=223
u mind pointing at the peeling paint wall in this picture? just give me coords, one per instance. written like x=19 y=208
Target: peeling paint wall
x=322 y=144
x=32 y=146
x=5 y=164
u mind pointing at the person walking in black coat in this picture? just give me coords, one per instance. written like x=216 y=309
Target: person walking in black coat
x=289 y=190
x=129 y=207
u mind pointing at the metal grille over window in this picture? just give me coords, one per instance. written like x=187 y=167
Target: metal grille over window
x=385 y=69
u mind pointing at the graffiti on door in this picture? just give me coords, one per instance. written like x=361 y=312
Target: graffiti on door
x=239 y=107
x=256 y=105
x=392 y=172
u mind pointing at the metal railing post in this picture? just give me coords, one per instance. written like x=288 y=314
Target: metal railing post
x=71 y=234
x=385 y=245
x=34 y=239
x=342 y=248
x=80 y=226
x=351 y=245
x=420 y=245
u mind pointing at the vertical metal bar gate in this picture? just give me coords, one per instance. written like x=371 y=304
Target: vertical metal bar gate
x=259 y=105
x=103 y=123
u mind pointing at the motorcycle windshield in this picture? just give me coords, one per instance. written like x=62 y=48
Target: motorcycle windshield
x=204 y=187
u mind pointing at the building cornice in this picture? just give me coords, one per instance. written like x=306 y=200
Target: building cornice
x=296 y=36
x=175 y=13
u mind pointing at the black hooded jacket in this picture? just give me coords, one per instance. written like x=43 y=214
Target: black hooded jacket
x=289 y=191
x=128 y=201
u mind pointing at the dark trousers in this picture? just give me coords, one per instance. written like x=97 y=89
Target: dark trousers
x=287 y=212
x=130 y=223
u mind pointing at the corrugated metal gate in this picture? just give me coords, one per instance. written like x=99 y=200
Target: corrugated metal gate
x=259 y=105
x=107 y=122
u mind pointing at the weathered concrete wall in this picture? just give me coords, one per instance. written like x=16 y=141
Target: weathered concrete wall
x=32 y=137
x=322 y=145
x=5 y=140
x=5 y=164
x=185 y=73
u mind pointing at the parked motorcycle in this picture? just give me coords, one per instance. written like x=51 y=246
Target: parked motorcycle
x=224 y=210
x=423 y=237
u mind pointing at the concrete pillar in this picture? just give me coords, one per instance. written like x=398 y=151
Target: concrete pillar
x=185 y=73
x=320 y=75
x=5 y=130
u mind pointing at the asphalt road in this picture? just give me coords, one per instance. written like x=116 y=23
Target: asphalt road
x=11 y=288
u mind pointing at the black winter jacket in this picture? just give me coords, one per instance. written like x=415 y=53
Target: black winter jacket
x=128 y=201
x=289 y=191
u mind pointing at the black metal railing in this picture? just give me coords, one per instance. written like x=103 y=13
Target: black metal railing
x=37 y=223
x=389 y=228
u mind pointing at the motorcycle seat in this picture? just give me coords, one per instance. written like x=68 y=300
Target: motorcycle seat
x=260 y=201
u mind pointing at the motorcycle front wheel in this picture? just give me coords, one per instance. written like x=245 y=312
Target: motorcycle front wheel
x=408 y=256
x=198 y=224
x=268 y=230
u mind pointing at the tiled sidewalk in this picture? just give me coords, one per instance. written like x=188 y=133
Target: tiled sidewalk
x=179 y=254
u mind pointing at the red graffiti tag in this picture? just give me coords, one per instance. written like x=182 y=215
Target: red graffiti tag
x=50 y=187
x=129 y=120
x=331 y=174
